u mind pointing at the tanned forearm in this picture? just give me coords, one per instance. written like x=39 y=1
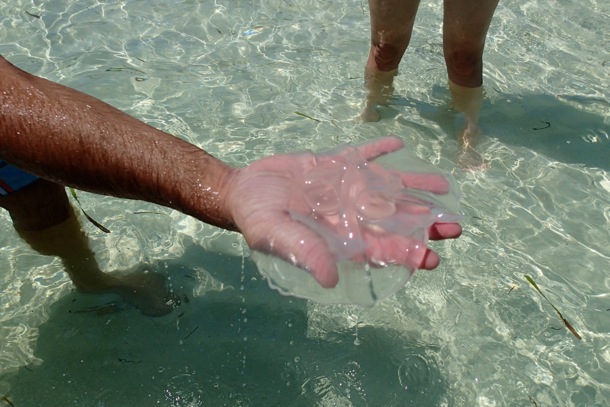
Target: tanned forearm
x=77 y=140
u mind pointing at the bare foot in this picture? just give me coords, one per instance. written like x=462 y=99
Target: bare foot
x=147 y=291
x=370 y=113
x=380 y=88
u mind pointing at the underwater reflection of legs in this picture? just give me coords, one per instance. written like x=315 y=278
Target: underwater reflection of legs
x=43 y=217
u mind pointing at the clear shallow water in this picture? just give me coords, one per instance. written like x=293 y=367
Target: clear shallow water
x=229 y=77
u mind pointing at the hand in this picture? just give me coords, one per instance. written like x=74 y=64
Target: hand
x=267 y=197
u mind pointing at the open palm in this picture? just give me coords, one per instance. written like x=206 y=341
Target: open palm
x=269 y=207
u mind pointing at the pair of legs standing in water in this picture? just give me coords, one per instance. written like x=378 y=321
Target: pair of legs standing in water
x=465 y=25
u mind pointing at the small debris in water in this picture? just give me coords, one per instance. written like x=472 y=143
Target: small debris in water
x=548 y=124
x=7 y=401
x=190 y=333
x=122 y=360
x=109 y=308
x=33 y=15
x=306 y=116
x=565 y=322
x=89 y=218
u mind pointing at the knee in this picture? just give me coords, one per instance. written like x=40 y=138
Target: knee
x=38 y=206
x=465 y=66
x=385 y=56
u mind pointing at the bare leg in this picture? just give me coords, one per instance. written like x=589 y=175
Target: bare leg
x=391 y=27
x=43 y=217
x=465 y=25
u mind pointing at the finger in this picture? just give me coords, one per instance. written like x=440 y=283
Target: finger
x=375 y=148
x=426 y=182
x=430 y=260
x=302 y=247
x=439 y=231
x=392 y=249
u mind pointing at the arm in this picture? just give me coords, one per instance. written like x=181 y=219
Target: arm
x=75 y=139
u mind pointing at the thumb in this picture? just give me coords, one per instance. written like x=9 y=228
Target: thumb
x=302 y=247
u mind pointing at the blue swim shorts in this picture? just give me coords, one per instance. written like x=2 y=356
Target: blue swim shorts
x=12 y=179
